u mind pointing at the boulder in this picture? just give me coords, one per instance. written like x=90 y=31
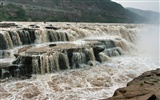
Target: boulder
x=144 y=87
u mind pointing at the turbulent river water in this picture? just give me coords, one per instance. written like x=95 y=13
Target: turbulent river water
x=89 y=82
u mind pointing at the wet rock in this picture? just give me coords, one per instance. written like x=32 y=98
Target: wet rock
x=15 y=70
x=52 y=45
x=63 y=62
x=153 y=97
x=97 y=49
x=6 y=25
x=52 y=27
x=34 y=26
x=144 y=87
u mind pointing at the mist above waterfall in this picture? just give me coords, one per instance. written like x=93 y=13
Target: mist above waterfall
x=148 y=41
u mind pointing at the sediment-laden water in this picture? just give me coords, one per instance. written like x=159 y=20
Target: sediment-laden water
x=73 y=61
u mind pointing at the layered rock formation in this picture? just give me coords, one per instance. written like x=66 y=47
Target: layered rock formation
x=144 y=87
x=49 y=48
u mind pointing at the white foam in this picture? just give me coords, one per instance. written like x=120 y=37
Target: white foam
x=98 y=82
x=79 y=83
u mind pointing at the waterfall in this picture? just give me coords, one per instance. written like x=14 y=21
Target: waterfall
x=8 y=39
x=108 y=43
x=54 y=36
x=15 y=38
x=35 y=65
x=4 y=42
x=38 y=37
x=52 y=63
x=48 y=63
x=56 y=61
x=115 y=41
x=113 y=51
x=26 y=37
x=44 y=64
x=89 y=54
x=63 y=61
x=78 y=59
x=103 y=57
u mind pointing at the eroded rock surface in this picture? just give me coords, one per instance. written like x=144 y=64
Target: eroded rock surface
x=144 y=87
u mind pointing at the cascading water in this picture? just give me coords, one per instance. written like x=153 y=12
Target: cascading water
x=35 y=64
x=113 y=61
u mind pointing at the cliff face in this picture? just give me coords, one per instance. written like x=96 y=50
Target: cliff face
x=72 y=10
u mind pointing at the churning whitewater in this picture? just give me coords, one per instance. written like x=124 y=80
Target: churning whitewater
x=73 y=61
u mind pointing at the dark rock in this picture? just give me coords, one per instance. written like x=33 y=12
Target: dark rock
x=34 y=26
x=52 y=27
x=153 y=97
x=52 y=45
x=6 y=25
x=16 y=55
x=3 y=42
x=63 y=62
x=0 y=73
x=23 y=60
x=16 y=70
x=97 y=49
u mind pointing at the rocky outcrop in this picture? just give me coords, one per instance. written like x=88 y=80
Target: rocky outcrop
x=55 y=57
x=6 y=25
x=144 y=87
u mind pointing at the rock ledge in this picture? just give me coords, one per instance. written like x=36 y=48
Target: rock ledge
x=144 y=87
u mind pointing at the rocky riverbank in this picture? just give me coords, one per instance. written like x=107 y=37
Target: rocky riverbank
x=144 y=87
